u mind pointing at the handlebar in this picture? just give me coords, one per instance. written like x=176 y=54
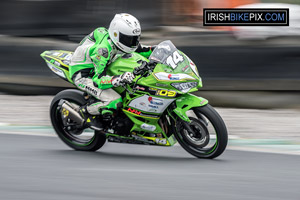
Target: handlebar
x=141 y=70
x=145 y=67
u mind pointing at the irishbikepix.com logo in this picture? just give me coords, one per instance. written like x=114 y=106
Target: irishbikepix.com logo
x=246 y=17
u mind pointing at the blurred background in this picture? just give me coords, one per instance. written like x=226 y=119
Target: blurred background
x=250 y=74
x=251 y=67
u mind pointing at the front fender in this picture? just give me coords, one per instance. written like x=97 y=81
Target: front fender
x=187 y=101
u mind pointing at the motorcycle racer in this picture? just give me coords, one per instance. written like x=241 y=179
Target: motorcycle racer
x=94 y=53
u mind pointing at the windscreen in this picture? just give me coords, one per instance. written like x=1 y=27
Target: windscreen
x=166 y=53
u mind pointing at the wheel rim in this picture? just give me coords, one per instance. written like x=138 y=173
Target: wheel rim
x=200 y=137
x=203 y=145
x=82 y=137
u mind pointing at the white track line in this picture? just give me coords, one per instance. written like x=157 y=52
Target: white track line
x=26 y=133
x=252 y=148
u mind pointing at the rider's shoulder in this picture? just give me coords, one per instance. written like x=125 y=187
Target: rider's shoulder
x=101 y=31
x=100 y=35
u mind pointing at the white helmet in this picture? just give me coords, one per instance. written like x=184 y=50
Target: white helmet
x=125 y=31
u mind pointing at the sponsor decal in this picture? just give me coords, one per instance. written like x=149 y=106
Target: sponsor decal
x=55 y=62
x=142 y=139
x=105 y=82
x=153 y=89
x=161 y=85
x=63 y=55
x=68 y=57
x=57 y=71
x=173 y=77
x=161 y=103
x=152 y=116
x=91 y=90
x=155 y=101
x=154 y=58
x=152 y=106
x=134 y=111
x=203 y=101
x=81 y=85
x=143 y=104
x=54 y=69
x=152 y=110
x=161 y=141
x=185 y=68
x=140 y=88
x=55 y=53
x=167 y=76
x=67 y=62
x=65 y=112
x=148 y=127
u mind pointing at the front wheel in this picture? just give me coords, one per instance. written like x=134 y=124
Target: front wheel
x=208 y=138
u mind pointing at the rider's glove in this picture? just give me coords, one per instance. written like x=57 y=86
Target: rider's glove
x=127 y=77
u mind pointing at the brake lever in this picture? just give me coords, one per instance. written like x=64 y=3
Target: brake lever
x=146 y=68
x=124 y=85
x=141 y=69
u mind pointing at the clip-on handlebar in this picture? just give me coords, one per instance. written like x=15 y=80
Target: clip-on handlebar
x=141 y=70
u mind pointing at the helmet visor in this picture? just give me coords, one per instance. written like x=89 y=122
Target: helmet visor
x=129 y=40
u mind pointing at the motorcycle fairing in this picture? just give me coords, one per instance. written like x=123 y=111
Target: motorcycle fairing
x=187 y=101
x=58 y=61
x=156 y=88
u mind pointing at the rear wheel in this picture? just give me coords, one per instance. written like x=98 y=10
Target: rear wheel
x=71 y=134
x=208 y=138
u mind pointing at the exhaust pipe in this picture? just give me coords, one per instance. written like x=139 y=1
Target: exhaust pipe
x=67 y=110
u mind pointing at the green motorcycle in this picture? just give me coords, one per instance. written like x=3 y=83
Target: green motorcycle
x=158 y=107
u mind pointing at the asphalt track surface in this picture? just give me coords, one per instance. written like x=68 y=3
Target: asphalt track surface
x=35 y=167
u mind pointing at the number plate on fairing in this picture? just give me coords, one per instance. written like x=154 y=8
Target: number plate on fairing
x=151 y=104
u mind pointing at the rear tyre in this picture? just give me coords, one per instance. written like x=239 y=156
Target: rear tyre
x=210 y=138
x=74 y=138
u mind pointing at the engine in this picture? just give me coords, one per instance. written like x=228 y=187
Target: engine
x=122 y=125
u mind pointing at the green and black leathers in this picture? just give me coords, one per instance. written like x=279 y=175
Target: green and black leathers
x=95 y=52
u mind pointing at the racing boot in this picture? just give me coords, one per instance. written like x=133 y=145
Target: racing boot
x=90 y=121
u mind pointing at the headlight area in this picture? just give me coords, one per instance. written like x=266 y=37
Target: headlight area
x=184 y=87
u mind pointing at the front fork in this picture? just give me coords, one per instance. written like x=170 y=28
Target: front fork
x=183 y=104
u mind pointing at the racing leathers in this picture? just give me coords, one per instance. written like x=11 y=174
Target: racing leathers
x=88 y=70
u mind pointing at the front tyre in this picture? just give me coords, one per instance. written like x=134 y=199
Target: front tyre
x=78 y=139
x=209 y=138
